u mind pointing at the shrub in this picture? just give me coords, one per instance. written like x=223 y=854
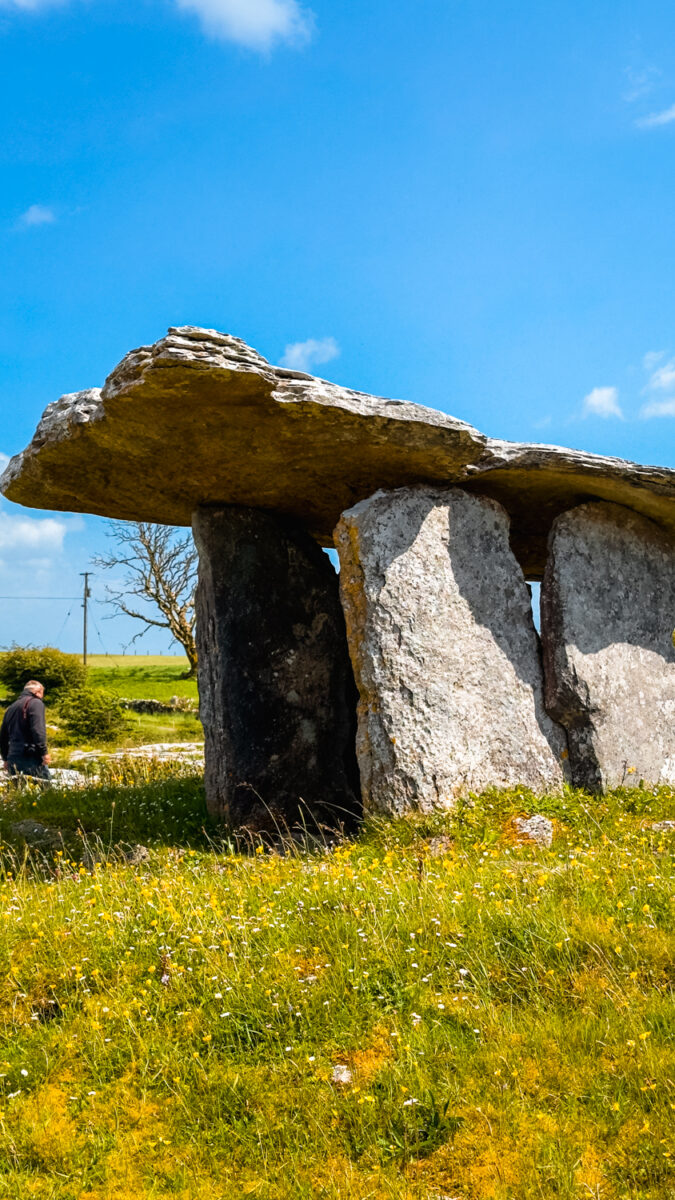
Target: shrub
x=93 y=714
x=59 y=672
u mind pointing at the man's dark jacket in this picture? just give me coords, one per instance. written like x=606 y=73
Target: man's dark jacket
x=23 y=733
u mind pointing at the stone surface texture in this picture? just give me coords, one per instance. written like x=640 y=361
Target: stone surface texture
x=444 y=650
x=277 y=693
x=608 y=610
x=536 y=829
x=201 y=418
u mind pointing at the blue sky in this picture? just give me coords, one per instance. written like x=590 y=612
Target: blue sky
x=467 y=205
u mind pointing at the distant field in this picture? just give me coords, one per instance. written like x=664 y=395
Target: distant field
x=152 y=676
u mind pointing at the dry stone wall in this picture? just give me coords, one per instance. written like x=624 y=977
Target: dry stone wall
x=444 y=650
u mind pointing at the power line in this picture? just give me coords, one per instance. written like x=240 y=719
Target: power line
x=39 y=597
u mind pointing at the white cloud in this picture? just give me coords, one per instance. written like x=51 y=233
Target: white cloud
x=652 y=359
x=258 y=24
x=602 y=402
x=659 y=408
x=4 y=459
x=30 y=537
x=663 y=378
x=37 y=214
x=300 y=356
x=655 y=119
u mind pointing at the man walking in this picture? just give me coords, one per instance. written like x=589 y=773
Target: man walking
x=23 y=734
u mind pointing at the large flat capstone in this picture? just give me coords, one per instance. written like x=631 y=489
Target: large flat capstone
x=444 y=651
x=277 y=694
x=608 y=611
x=200 y=418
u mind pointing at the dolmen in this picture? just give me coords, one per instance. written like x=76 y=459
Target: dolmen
x=416 y=674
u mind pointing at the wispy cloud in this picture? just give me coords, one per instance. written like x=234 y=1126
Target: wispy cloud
x=652 y=359
x=662 y=379
x=658 y=408
x=256 y=24
x=29 y=5
x=640 y=83
x=655 y=119
x=30 y=537
x=4 y=459
x=301 y=356
x=37 y=214
x=602 y=402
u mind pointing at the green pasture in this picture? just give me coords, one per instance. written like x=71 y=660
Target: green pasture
x=428 y=1012
x=153 y=677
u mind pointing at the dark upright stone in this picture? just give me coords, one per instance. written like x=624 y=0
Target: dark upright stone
x=277 y=694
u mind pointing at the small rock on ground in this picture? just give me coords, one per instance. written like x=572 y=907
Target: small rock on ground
x=35 y=834
x=134 y=855
x=536 y=829
x=341 y=1074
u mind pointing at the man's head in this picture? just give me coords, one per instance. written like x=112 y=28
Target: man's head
x=35 y=687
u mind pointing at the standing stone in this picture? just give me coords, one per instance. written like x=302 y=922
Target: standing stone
x=607 y=611
x=277 y=694
x=444 y=649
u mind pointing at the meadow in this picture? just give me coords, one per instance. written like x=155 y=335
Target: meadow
x=428 y=1011
x=153 y=677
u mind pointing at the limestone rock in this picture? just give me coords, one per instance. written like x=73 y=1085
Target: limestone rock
x=536 y=483
x=34 y=833
x=536 y=829
x=201 y=418
x=444 y=650
x=342 y=1074
x=608 y=610
x=277 y=694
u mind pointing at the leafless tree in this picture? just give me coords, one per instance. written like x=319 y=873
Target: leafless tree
x=161 y=571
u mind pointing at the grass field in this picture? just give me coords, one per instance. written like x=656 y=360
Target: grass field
x=150 y=677
x=134 y=677
x=502 y=1017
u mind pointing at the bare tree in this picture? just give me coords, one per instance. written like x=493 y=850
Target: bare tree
x=161 y=571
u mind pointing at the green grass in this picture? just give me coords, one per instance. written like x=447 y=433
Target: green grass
x=142 y=677
x=506 y=1013
x=148 y=677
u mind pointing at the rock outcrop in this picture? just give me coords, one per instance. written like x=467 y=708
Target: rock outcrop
x=608 y=610
x=201 y=418
x=444 y=650
x=277 y=694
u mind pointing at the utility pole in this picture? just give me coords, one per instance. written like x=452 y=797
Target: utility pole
x=87 y=594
